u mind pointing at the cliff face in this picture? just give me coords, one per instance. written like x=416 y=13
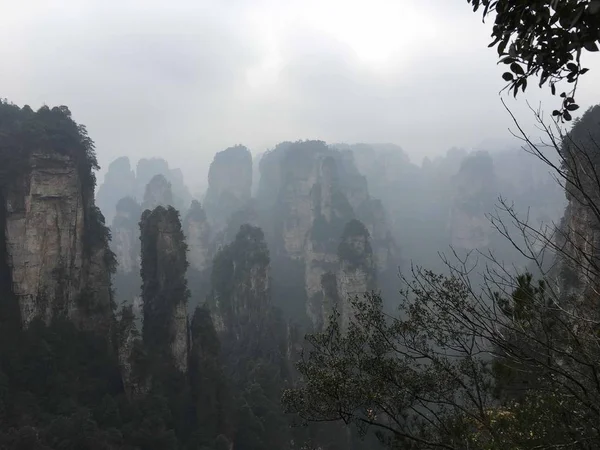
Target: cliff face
x=119 y=181
x=164 y=286
x=148 y=168
x=330 y=212
x=579 y=237
x=56 y=244
x=241 y=296
x=125 y=244
x=475 y=193
x=200 y=240
x=229 y=184
x=198 y=235
x=352 y=273
x=318 y=264
x=288 y=175
x=308 y=193
x=158 y=193
x=126 y=235
x=44 y=230
x=580 y=264
x=303 y=210
x=357 y=272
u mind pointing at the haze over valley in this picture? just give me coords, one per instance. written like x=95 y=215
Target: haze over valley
x=262 y=225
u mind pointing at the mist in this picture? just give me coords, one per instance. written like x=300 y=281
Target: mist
x=184 y=81
x=223 y=219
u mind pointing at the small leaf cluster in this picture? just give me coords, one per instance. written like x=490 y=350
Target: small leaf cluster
x=545 y=39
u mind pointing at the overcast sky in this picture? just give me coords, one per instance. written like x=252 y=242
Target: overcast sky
x=183 y=79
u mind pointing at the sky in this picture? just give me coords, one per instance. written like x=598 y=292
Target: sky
x=183 y=79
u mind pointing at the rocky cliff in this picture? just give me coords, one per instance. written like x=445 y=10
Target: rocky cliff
x=56 y=244
x=158 y=193
x=308 y=193
x=125 y=244
x=119 y=182
x=352 y=273
x=241 y=296
x=148 y=168
x=475 y=192
x=201 y=245
x=198 y=235
x=578 y=238
x=164 y=286
x=357 y=271
x=126 y=235
x=229 y=184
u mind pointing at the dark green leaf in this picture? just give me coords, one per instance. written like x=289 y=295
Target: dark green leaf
x=567 y=116
x=516 y=68
x=502 y=46
x=507 y=76
x=582 y=71
x=573 y=107
x=556 y=112
x=590 y=46
x=572 y=67
x=577 y=16
x=553 y=88
x=495 y=41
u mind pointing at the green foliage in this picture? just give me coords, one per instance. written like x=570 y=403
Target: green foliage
x=453 y=370
x=59 y=388
x=545 y=39
x=48 y=130
x=97 y=238
x=233 y=264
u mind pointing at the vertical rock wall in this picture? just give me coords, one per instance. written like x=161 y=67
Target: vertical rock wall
x=57 y=244
x=164 y=286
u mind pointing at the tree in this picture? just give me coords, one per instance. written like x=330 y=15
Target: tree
x=545 y=39
x=514 y=363
x=428 y=379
